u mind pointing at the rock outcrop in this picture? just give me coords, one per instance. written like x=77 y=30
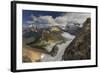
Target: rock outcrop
x=80 y=47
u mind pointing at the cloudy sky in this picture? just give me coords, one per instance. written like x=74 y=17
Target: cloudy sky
x=51 y=18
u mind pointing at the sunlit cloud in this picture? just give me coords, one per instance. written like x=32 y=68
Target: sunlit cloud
x=62 y=20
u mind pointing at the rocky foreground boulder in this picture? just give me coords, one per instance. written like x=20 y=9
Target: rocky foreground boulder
x=80 y=47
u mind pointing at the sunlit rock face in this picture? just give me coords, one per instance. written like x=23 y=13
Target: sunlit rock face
x=30 y=55
x=59 y=49
x=79 y=48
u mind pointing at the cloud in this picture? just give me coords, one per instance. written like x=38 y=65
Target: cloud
x=45 y=21
x=61 y=20
x=48 y=19
x=77 y=17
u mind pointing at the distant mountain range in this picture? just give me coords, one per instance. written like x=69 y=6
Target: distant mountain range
x=31 y=35
x=73 y=29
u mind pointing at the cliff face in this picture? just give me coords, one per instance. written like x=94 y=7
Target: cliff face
x=80 y=47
